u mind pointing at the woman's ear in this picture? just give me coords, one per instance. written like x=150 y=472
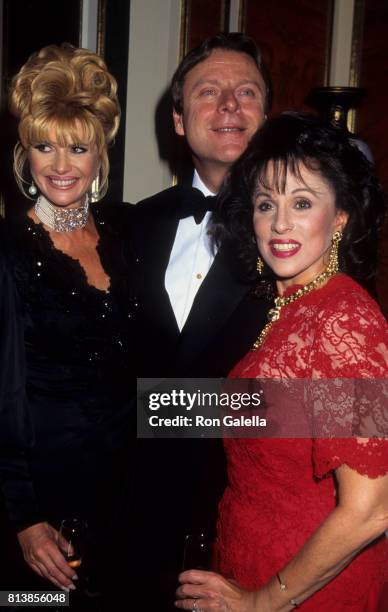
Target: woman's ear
x=341 y=220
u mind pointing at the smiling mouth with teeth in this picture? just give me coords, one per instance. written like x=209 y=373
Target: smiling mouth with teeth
x=62 y=182
x=285 y=247
x=236 y=129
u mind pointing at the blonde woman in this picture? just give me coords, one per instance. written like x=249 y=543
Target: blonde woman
x=73 y=277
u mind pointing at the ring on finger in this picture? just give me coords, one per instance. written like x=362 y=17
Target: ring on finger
x=195 y=607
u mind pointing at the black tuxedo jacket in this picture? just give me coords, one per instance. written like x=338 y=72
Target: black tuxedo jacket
x=225 y=318
x=178 y=482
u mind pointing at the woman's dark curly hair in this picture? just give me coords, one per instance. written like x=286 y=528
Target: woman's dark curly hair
x=287 y=142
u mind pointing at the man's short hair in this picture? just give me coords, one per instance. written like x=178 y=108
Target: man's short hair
x=234 y=41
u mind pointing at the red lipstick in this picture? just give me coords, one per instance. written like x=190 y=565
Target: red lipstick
x=284 y=248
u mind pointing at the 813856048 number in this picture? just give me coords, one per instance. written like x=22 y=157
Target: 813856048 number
x=34 y=598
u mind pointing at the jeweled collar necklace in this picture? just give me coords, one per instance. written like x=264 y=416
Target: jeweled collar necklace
x=61 y=219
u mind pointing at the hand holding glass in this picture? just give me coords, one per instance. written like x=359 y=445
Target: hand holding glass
x=71 y=540
x=197 y=552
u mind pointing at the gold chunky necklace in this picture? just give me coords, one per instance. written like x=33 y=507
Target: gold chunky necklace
x=280 y=301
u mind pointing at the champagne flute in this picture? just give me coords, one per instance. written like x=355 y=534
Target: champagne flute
x=197 y=552
x=71 y=541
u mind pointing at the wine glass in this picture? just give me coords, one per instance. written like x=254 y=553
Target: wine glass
x=198 y=550
x=71 y=540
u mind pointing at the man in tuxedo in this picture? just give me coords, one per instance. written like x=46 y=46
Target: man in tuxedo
x=196 y=313
x=197 y=318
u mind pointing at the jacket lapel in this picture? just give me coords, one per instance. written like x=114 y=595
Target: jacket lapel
x=155 y=245
x=219 y=295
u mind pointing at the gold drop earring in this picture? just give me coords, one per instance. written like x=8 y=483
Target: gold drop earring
x=259 y=265
x=333 y=266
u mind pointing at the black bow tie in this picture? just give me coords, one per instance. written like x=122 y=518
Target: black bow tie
x=195 y=204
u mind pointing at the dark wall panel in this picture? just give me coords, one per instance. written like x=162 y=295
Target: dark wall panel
x=293 y=37
x=372 y=118
x=204 y=18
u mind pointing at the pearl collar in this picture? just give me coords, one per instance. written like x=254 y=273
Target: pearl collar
x=61 y=219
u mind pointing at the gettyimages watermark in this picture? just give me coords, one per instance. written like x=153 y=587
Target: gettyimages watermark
x=262 y=408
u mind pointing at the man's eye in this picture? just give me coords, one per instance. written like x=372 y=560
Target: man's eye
x=208 y=92
x=303 y=204
x=247 y=93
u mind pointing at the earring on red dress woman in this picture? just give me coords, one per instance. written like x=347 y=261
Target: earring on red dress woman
x=333 y=255
x=259 y=265
x=281 y=301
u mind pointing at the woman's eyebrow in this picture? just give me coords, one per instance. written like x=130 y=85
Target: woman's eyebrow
x=309 y=189
x=263 y=193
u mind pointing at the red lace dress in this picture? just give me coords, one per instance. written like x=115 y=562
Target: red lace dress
x=281 y=490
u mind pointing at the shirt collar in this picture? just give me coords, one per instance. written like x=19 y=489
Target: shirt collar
x=199 y=184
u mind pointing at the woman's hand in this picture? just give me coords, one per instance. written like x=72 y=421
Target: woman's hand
x=41 y=552
x=210 y=592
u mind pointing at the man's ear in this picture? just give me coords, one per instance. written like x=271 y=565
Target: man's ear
x=178 y=123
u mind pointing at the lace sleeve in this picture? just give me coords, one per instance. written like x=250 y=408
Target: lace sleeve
x=352 y=342
x=368 y=457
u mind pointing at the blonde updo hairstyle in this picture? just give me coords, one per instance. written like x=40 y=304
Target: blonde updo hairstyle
x=64 y=89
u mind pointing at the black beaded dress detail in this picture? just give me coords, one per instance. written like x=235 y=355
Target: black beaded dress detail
x=78 y=351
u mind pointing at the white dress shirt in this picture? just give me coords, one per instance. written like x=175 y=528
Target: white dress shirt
x=190 y=260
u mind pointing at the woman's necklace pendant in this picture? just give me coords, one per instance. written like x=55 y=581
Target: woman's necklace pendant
x=280 y=301
x=274 y=314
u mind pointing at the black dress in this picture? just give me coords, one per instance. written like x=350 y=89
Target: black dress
x=79 y=391
x=15 y=430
